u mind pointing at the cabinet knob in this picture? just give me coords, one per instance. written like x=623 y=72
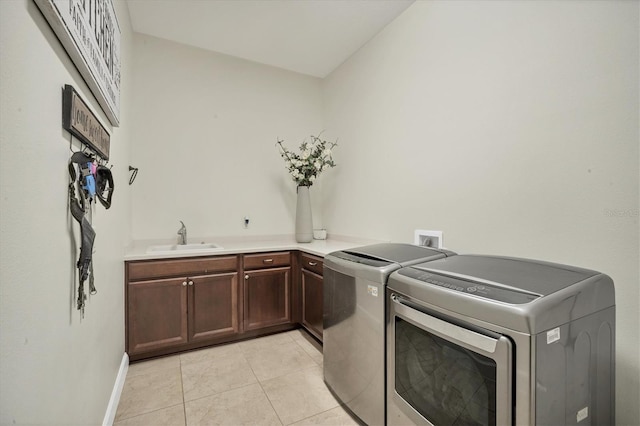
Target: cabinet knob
x=190 y=282
x=246 y=277
x=313 y=263
x=184 y=283
x=267 y=261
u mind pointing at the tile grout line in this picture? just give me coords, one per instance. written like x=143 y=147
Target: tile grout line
x=271 y=403
x=138 y=375
x=313 y=415
x=145 y=413
x=299 y=420
x=226 y=390
x=184 y=404
x=306 y=352
x=316 y=365
x=262 y=388
x=260 y=351
x=308 y=342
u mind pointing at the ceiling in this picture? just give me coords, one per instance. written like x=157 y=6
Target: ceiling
x=307 y=36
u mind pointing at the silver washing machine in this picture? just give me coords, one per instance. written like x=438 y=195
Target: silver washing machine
x=354 y=322
x=487 y=340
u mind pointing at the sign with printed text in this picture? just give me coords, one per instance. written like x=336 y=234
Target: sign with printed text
x=90 y=33
x=80 y=121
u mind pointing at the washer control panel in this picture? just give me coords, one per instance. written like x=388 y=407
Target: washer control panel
x=362 y=259
x=487 y=291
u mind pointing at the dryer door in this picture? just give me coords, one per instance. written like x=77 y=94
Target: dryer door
x=443 y=373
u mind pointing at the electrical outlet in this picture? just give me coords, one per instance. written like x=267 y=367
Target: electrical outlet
x=246 y=222
x=428 y=238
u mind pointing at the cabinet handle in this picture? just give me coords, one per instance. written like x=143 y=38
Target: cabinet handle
x=246 y=277
x=313 y=263
x=267 y=261
x=184 y=283
x=190 y=282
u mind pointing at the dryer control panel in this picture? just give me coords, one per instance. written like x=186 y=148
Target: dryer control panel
x=474 y=288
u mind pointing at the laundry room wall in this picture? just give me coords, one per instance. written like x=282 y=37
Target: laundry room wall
x=55 y=366
x=510 y=126
x=205 y=131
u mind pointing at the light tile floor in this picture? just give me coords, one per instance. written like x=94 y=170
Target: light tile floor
x=272 y=380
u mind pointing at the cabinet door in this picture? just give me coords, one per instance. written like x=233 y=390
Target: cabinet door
x=266 y=298
x=312 y=302
x=213 y=306
x=157 y=314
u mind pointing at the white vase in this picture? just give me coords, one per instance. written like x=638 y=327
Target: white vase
x=304 y=222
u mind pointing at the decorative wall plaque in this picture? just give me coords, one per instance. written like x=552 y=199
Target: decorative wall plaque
x=90 y=33
x=82 y=123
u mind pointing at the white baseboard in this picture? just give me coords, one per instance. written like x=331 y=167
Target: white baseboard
x=110 y=415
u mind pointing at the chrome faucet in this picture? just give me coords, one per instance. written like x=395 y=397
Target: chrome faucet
x=183 y=234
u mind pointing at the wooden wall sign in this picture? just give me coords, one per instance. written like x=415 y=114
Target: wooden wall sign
x=78 y=119
x=90 y=33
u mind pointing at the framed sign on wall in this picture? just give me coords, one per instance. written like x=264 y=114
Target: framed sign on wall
x=90 y=33
x=80 y=121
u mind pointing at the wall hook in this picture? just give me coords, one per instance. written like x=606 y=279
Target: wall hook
x=134 y=173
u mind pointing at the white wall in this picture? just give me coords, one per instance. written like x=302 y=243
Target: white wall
x=55 y=368
x=510 y=126
x=205 y=128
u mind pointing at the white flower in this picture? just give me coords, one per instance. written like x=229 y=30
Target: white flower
x=313 y=158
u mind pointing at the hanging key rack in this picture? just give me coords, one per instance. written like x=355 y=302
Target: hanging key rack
x=90 y=176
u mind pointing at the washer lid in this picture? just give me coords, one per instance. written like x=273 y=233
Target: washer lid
x=534 y=276
x=403 y=254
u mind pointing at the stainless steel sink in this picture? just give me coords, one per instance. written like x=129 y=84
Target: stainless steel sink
x=180 y=248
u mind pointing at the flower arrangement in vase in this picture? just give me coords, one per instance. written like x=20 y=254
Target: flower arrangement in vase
x=314 y=158
x=304 y=167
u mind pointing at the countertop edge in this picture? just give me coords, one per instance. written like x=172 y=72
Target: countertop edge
x=137 y=250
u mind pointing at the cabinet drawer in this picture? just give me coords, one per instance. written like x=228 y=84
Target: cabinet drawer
x=180 y=267
x=311 y=263
x=266 y=260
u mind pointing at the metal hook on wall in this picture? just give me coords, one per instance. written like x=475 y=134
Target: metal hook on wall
x=134 y=174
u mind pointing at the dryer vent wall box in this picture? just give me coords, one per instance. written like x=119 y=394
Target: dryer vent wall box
x=428 y=238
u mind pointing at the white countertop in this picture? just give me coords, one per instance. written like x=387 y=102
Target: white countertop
x=251 y=244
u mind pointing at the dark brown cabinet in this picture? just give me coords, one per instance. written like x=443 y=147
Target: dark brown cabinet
x=267 y=290
x=181 y=304
x=213 y=306
x=172 y=313
x=157 y=314
x=311 y=293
